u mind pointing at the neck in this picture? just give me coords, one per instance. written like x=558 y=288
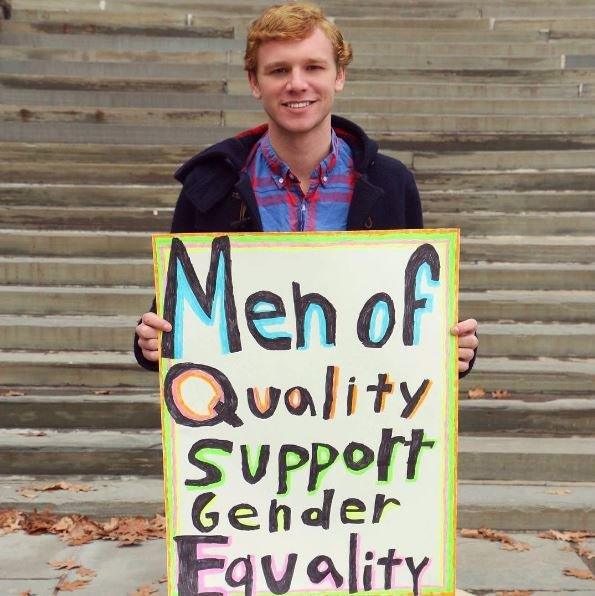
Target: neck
x=302 y=152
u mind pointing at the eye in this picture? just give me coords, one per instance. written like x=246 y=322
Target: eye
x=279 y=70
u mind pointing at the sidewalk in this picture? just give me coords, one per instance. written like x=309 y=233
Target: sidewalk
x=483 y=567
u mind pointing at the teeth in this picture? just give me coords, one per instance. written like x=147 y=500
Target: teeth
x=298 y=104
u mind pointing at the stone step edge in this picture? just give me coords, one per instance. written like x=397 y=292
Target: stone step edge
x=487 y=416
x=503 y=505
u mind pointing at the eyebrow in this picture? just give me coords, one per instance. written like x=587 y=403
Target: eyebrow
x=285 y=63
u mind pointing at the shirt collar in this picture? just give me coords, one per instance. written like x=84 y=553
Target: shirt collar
x=280 y=171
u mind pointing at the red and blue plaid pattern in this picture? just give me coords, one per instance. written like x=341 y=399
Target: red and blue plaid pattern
x=283 y=206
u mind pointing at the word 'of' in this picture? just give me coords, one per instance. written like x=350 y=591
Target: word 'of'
x=264 y=309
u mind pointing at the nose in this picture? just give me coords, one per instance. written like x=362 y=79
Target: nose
x=297 y=80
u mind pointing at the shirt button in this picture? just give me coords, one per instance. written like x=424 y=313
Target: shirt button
x=280 y=180
x=324 y=178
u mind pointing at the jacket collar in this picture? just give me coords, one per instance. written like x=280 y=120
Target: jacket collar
x=211 y=175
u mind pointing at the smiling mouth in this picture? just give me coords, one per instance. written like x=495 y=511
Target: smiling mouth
x=298 y=105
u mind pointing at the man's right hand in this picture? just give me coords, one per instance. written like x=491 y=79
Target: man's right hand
x=148 y=331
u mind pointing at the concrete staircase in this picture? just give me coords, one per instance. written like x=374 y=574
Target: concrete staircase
x=491 y=103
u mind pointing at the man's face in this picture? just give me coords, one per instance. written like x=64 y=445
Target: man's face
x=296 y=82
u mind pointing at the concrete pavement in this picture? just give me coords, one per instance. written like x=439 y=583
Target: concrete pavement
x=483 y=568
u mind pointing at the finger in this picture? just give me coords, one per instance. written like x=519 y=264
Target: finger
x=469 y=341
x=148 y=344
x=152 y=320
x=151 y=355
x=465 y=354
x=466 y=327
x=146 y=332
x=463 y=366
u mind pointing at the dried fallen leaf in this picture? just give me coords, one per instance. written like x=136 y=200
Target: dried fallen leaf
x=26 y=593
x=52 y=486
x=10 y=521
x=28 y=493
x=144 y=591
x=77 y=584
x=506 y=542
x=558 y=491
x=586 y=553
x=12 y=393
x=33 y=433
x=515 y=593
x=85 y=572
x=68 y=564
x=568 y=536
x=516 y=546
x=501 y=394
x=163 y=580
x=476 y=393
x=579 y=573
x=102 y=392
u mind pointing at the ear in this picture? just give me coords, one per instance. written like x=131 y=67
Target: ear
x=340 y=80
x=253 y=82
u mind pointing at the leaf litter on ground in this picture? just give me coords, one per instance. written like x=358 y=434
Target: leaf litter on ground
x=579 y=573
x=79 y=529
x=574 y=536
x=506 y=541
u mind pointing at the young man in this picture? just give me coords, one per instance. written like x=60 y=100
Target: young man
x=305 y=169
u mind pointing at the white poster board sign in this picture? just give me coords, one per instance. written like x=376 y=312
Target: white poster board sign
x=309 y=411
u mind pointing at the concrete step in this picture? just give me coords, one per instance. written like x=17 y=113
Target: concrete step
x=509 y=506
x=67 y=332
x=55 y=172
x=60 y=409
x=37 y=300
x=559 y=306
x=99 y=24
x=96 y=154
x=439 y=201
x=395 y=47
x=520 y=180
x=481 y=276
x=218 y=65
x=503 y=160
x=138 y=452
x=526 y=340
x=53 y=98
x=438 y=118
x=575 y=222
x=158 y=220
x=542 y=376
x=77 y=132
x=38 y=192
x=424 y=140
x=19 y=160
x=533 y=376
x=172 y=92
x=564 y=181
x=518 y=249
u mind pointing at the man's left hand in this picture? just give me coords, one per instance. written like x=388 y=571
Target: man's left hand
x=468 y=342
